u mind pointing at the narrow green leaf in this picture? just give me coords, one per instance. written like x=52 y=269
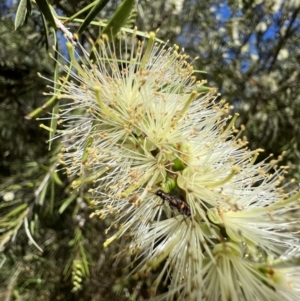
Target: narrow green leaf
x=52 y=196
x=68 y=267
x=32 y=226
x=55 y=109
x=118 y=19
x=67 y=202
x=21 y=13
x=10 y=203
x=5 y=238
x=33 y=223
x=80 y=12
x=26 y=226
x=84 y=261
x=99 y=5
x=14 y=187
x=56 y=178
x=46 y=31
x=43 y=195
x=16 y=211
x=5 y=225
x=46 y=11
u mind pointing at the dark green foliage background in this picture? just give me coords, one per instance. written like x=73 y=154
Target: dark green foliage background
x=241 y=46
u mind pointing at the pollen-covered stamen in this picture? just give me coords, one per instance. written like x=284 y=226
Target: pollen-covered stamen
x=75 y=62
x=168 y=247
x=232 y=122
x=186 y=106
x=103 y=107
x=148 y=50
x=234 y=170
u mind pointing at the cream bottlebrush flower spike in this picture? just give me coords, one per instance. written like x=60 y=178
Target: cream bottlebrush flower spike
x=152 y=146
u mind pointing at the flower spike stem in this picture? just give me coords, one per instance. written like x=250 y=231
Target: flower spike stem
x=232 y=122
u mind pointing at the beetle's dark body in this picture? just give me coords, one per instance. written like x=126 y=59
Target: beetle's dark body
x=181 y=206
